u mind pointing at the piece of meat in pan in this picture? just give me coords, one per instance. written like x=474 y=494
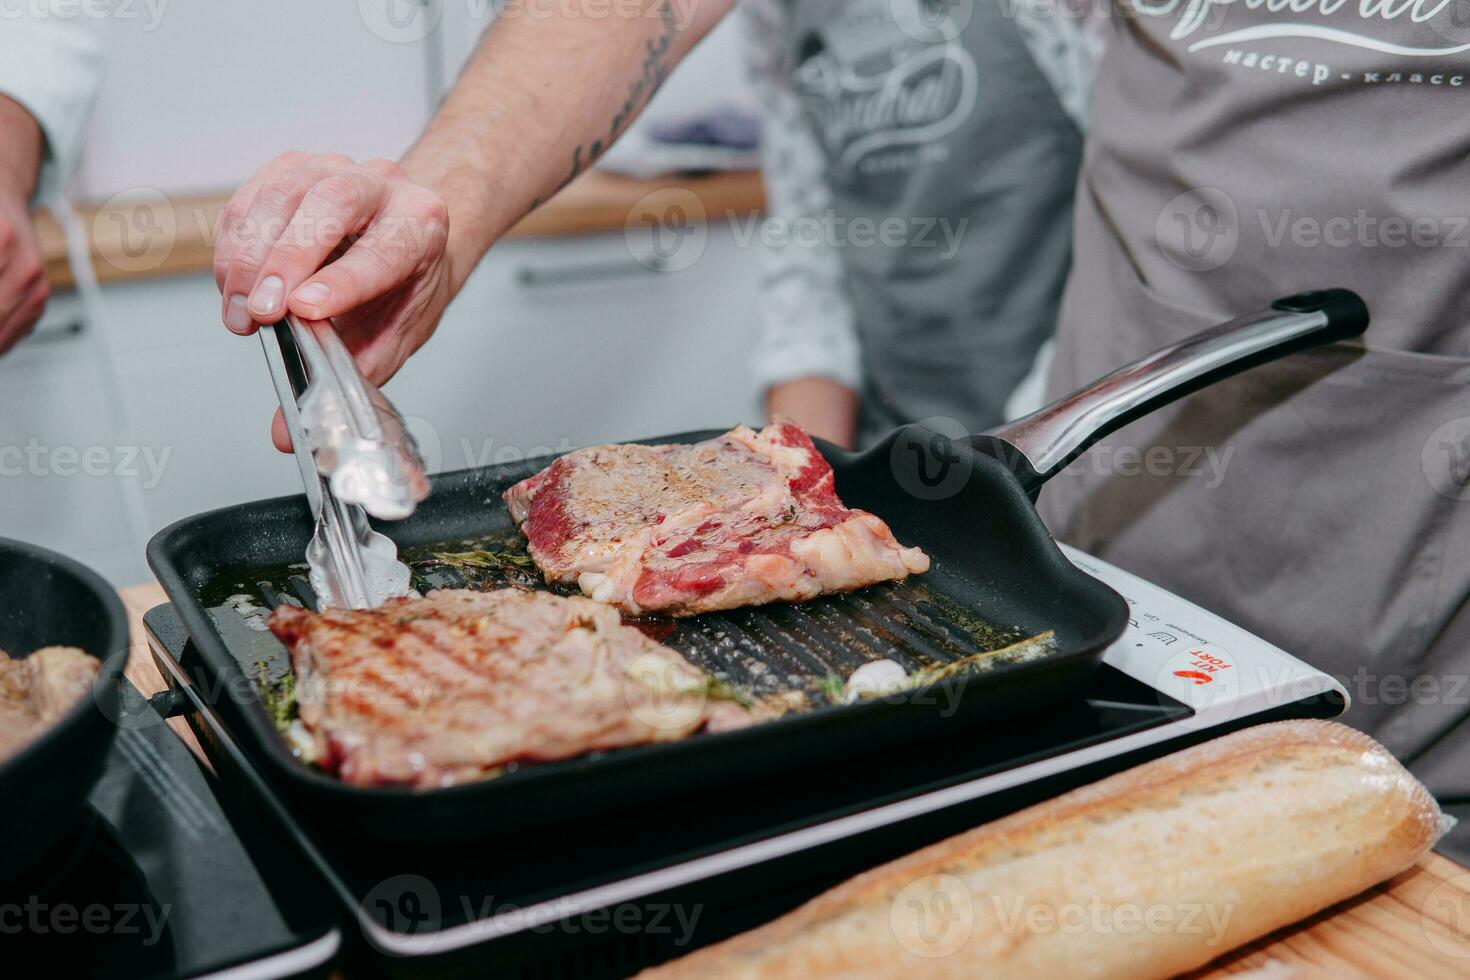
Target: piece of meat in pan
x=36 y=691
x=740 y=520
x=450 y=687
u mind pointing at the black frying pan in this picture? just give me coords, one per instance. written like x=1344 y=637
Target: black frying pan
x=48 y=600
x=968 y=503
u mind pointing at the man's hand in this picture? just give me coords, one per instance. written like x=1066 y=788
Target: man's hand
x=325 y=238
x=382 y=250
x=23 y=289
x=821 y=406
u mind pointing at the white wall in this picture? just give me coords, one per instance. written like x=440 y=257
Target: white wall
x=214 y=89
x=217 y=88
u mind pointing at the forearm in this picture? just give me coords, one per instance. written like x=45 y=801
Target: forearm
x=539 y=101
x=825 y=408
x=21 y=147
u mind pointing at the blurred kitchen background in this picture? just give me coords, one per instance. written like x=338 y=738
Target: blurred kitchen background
x=131 y=407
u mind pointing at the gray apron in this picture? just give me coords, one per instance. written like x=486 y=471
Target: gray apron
x=956 y=134
x=1239 y=155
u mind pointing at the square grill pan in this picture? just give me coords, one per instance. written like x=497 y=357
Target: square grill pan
x=994 y=566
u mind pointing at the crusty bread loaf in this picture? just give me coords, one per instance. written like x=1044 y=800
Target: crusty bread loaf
x=1148 y=873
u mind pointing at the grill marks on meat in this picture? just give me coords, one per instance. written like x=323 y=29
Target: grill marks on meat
x=36 y=691
x=740 y=520
x=445 y=689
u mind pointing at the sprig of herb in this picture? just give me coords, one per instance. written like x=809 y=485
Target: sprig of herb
x=833 y=688
x=721 y=690
x=1028 y=649
x=278 y=695
x=483 y=559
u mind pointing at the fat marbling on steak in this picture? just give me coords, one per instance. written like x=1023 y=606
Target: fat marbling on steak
x=739 y=520
x=447 y=688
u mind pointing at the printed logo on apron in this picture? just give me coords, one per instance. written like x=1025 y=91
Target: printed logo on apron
x=1426 y=34
x=889 y=111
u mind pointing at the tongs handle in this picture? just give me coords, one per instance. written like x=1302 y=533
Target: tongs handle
x=342 y=525
x=356 y=436
x=289 y=378
x=327 y=358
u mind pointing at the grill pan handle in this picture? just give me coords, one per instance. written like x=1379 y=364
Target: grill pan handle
x=1039 y=445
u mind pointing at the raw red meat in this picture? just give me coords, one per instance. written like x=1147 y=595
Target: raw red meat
x=739 y=520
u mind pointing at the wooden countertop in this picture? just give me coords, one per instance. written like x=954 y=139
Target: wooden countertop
x=151 y=236
x=1415 y=925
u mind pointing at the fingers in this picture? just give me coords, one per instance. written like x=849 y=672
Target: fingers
x=405 y=236
x=23 y=287
x=23 y=318
x=254 y=221
x=279 y=435
x=405 y=241
x=231 y=224
x=335 y=209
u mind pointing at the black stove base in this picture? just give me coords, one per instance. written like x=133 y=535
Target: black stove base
x=155 y=881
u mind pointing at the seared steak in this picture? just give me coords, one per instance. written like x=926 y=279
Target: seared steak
x=440 y=690
x=743 y=519
x=36 y=691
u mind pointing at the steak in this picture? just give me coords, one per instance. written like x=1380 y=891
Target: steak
x=740 y=520
x=36 y=691
x=450 y=687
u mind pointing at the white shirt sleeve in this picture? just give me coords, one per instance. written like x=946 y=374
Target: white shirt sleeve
x=1066 y=46
x=51 y=65
x=806 y=321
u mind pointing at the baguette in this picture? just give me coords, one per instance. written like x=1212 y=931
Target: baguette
x=1147 y=873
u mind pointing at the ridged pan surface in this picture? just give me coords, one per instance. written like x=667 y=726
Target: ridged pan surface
x=996 y=577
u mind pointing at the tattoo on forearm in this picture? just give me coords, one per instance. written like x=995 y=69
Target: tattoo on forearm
x=654 y=71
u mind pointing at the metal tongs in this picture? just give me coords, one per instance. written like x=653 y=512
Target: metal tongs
x=356 y=458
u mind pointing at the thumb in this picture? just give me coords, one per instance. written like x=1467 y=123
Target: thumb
x=279 y=436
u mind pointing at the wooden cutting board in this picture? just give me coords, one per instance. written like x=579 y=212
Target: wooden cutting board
x=1416 y=925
